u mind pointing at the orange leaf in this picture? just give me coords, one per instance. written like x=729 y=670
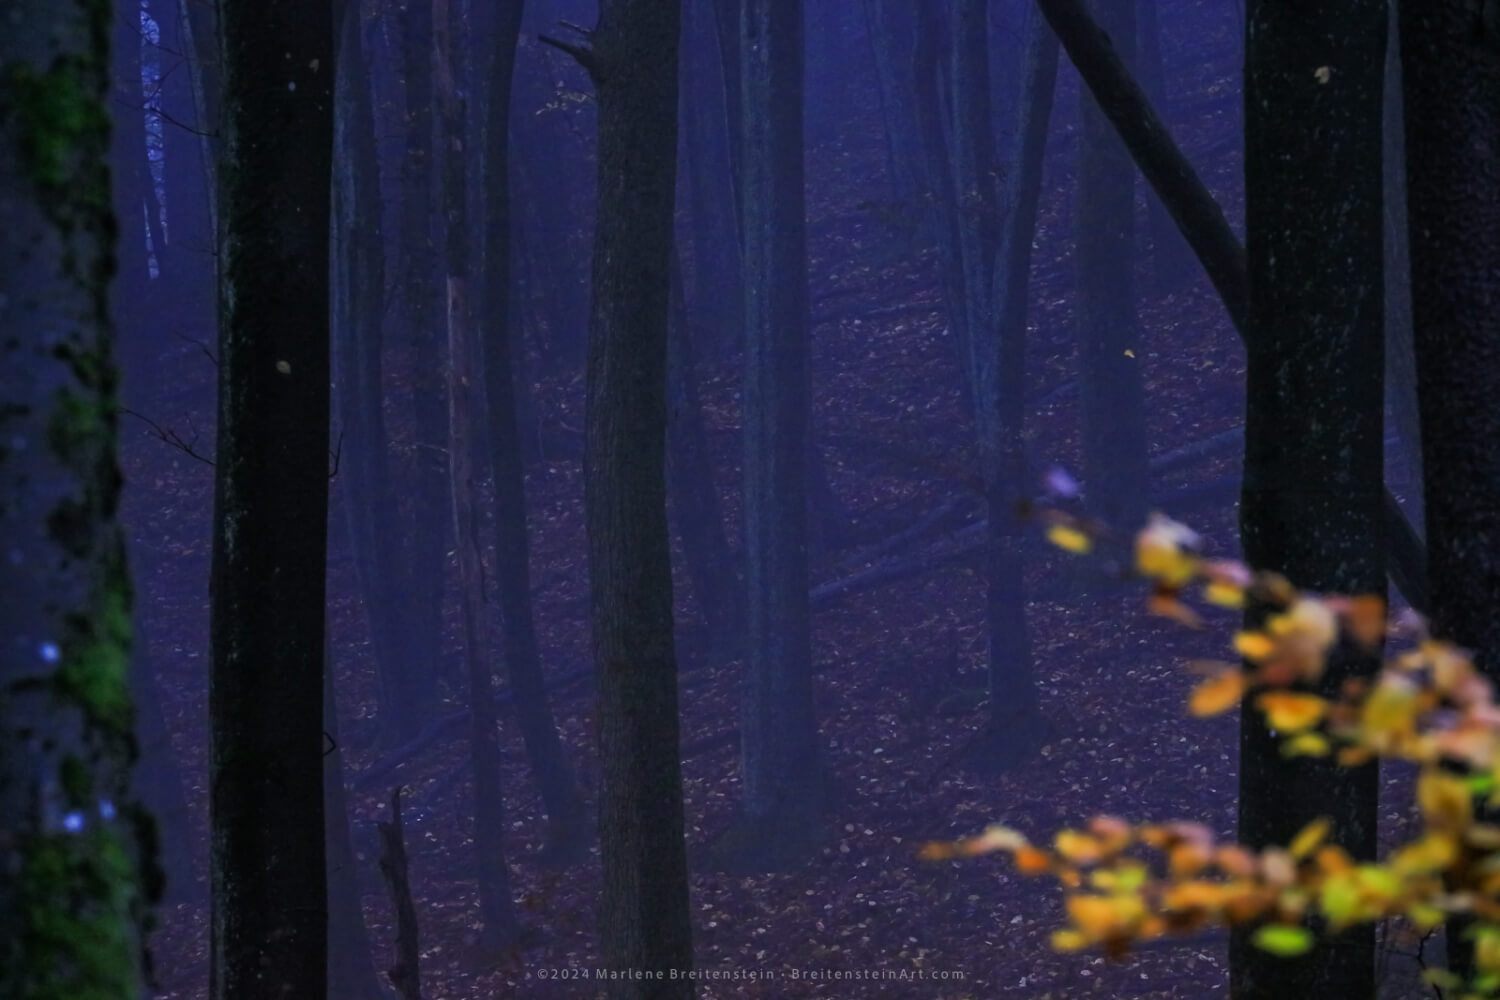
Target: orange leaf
x=1218 y=694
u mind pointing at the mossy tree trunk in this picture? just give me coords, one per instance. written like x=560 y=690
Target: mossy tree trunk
x=270 y=912
x=1312 y=502
x=72 y=844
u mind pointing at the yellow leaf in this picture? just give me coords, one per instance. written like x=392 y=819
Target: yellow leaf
x=1306 y=745
x=1445 y=801
x=1070 y=539
x=1078 y=847
x=1164 y=551
x=1217 y=694
x=1253 y=646
x=1225 y=595
x=1430 y=853
x=1311 y=836
x=1291 y=711
x=1067 y=940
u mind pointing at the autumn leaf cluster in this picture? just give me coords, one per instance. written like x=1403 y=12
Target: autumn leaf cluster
x=1428 y=704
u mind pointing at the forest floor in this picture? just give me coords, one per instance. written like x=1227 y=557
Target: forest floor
x=1111 y=678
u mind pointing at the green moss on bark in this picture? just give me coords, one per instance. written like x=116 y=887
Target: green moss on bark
x=77 y=892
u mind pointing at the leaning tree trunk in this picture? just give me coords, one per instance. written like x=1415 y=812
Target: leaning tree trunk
x=270 y=909
x=1201 y=222
x=1311 y=508
x=1450 y=68
x=72 y=899
x=644 y=920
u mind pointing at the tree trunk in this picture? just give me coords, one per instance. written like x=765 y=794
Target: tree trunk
x=716 y=574
x=1450 y=69
x=75 y=893
x=496 y=908
x=1201 y=222
x=358 y=309
x=1111 y=387
x=408 y=695
x=1311 y=506
x=351 y=970
x=644 y=921
x=270 y=908
x=1016 y=726
x=1172 y=263
x=781 y=765
x=567 y=836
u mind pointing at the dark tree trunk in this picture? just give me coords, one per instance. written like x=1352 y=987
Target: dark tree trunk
x=73 y=898
x=781 y=766
x=1201 y=222
x=465 y=404
x=1311 y=506
x=270 y=910
x=1450 y=68
x=1111 y=387
x=644 y=921
x=568 y=834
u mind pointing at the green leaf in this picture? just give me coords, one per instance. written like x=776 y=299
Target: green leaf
x=1283 y=940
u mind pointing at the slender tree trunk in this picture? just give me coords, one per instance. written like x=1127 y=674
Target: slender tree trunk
x=1016 y=723
x=1400 y=353
x=409 y=693
x=715 y=572
x=270 y=907
x=198 y=26
x=351 y=970
x=1311 y=507
x=717 y=301
x=1172 y=263
x=74 y=894
x=358 y=310
x=568 y=835
x=645 y=924
x=1111 y=386
x=497 y=909
x=1450 y=70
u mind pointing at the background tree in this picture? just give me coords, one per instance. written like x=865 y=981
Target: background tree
x=73 y=845
x=781 y=767
x=270 y=911
x=1111 y=388
x=644 y=920
x=499 y=345
x=1311 y=507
